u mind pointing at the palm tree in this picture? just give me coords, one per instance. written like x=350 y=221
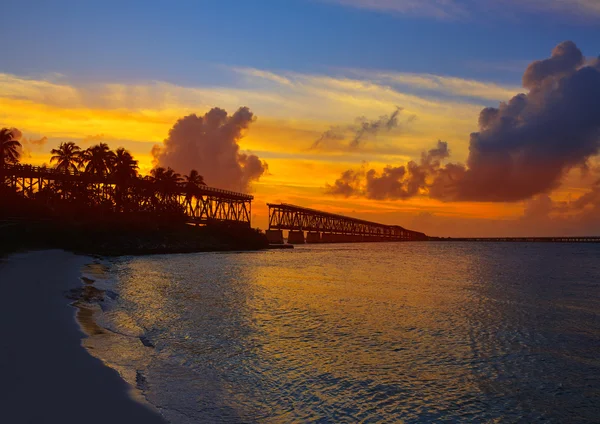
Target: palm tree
x=67 y=157
x=167 y=182
x=124 y=170
x=9 y=151
x=157 y=174
x=172 y=179
x=167 y=179
x=124 y=166
x=9 y=147
x=98 y=159
x=193 y=181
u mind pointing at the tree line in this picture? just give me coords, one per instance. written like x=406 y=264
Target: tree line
x=116 y=184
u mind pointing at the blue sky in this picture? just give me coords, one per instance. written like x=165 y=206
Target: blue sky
x=183 y=41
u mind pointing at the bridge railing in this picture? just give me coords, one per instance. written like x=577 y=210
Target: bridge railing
x=26 y=170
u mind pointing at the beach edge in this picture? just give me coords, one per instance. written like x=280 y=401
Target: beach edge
x=48 y=375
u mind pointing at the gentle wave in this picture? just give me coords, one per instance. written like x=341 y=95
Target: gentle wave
x=407 y=332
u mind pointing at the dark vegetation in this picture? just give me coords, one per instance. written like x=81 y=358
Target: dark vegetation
x=102 y=206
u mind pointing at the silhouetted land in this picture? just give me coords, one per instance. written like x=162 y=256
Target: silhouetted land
x=26 y=224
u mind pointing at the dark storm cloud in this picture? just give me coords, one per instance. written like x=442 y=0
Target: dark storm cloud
x=209 y=144
x=565 y=59
x=523 y=147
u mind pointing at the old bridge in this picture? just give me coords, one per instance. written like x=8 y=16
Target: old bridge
x=205 y=205
x=323 y=227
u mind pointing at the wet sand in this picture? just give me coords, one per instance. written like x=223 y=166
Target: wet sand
x=46 y=374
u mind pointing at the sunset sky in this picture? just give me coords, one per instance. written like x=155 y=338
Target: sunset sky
x=336 y=90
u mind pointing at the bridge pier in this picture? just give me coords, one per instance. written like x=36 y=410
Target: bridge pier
x=296 y=237
x=274 y=236
x=313 y=237
x=328 y=238
x=336 y=238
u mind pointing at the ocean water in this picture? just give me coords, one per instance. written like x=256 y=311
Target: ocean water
x=390 y=332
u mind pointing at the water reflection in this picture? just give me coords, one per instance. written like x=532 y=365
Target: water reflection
x=368 y=332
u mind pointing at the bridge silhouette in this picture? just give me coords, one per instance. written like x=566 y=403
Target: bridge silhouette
x=213 y=205
x=324 y=227
x=205 y=205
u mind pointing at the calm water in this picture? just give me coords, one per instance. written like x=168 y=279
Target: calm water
x=413 y=332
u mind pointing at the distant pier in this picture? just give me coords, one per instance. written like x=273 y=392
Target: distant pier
x=592 y=239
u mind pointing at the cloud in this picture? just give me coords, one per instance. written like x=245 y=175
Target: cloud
x=293 y=107
x=349 y=184
x=470 y=9
x=393 y=183
x=566 y=57
x=442 y=9
x=209 y=144
x=541 y=217
x=96 y=138
x=578 y=216
x=441 y=85
x=40 y=142
x=28 y=144
x=145 y=110
x=360 y=130
x=323 y=96
x=523 y=148
x=581 y=8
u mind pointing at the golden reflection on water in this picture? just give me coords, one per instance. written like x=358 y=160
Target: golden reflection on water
x=382 y=332
x=372 y=323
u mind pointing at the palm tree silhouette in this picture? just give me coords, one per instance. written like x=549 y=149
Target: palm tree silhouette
x=167 y=179
x=98 y=159
x=67 y=157
x=9 y=147
x=167 y=182
x=124 y=167
x=124 y=170
x=193 y=182
x=9 y=151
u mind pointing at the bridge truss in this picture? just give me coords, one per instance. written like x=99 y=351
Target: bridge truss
x=211 y=204
x=332 y=227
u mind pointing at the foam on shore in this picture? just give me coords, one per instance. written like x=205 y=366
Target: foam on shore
x=47 y=375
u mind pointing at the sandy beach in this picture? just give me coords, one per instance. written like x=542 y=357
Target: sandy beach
x=46 y=374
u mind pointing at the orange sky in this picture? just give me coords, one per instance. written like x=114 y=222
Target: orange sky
x=292 y=111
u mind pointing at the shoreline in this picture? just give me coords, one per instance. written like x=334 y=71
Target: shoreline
x=92 y=253
x=47 y=373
